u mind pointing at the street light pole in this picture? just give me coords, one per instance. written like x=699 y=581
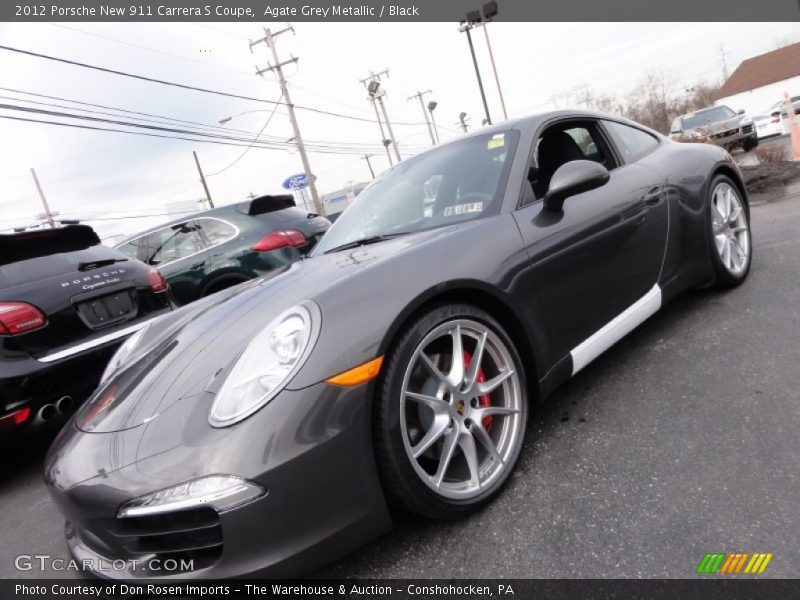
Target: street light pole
x=466 y=27
x=494 y=69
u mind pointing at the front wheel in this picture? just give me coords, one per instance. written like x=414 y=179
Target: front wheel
x=450 y=412
x=729 y=233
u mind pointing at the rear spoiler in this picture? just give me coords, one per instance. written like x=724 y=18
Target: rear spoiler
x=266 y=204
x=44 y=242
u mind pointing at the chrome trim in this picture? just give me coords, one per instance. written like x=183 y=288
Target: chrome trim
x=608 y=335
x=172 y=262
x=72 y=350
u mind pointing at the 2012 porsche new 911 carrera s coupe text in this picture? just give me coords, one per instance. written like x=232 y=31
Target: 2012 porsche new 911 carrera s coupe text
x=268 y=429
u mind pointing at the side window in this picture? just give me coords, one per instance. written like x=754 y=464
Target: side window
x=215 y=231
x=169 y=244
x=632 y=142
x=562 y=143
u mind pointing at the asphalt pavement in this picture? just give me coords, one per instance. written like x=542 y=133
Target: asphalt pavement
x=681 y=440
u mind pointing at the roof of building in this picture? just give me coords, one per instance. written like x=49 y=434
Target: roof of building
x=762 y=70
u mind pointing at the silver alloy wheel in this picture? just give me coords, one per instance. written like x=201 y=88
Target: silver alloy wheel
x=461 y=409
x=730 y=229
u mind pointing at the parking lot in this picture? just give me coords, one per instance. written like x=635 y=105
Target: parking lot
x=679 y=441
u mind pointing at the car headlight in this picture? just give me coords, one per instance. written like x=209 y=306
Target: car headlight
x=270 y=360
x=124 y=353
x=217 y=491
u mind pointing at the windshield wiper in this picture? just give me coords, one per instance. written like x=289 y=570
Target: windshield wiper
x=96 y=264
x=373 y=239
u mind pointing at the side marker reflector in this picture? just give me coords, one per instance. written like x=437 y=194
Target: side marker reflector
x=356 y=375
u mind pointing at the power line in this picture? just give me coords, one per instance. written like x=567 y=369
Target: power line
x=153 y=50
x=146 y=114
x=246 y=150
x=320 y=150
x=187 y=86
x=247 y=141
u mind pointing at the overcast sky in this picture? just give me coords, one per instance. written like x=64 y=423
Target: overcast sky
x=117 y=177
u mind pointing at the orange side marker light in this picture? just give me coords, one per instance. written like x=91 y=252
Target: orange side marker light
x=357 y=375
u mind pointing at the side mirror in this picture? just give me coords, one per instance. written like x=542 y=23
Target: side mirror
x=740 y=111
x=572 y=178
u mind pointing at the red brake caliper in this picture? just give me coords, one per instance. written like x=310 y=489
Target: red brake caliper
x=484 y=400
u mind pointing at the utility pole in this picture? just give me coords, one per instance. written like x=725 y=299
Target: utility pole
x=48 y=215
x=466 y=27
x=462 y=120
x=366 y=157
x=494 y=68
x=722 y=55
x=203 y=179
x=269 y=40
x=375 y=92
x=425 y=112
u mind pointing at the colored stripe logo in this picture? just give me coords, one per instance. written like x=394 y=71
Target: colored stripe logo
x=734 y=562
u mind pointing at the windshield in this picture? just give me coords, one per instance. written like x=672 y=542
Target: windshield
x=461 y=181
x=707 y=117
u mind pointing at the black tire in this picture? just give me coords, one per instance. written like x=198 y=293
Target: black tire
x=723 y=277
x=750 y=144
x=404 y=488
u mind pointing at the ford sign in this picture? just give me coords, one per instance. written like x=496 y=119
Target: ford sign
x=297 y=182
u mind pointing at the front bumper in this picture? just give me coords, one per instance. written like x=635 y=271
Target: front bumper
x=735 y=137
x=311 y=450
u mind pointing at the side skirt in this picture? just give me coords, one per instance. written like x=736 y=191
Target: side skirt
x=628 y=320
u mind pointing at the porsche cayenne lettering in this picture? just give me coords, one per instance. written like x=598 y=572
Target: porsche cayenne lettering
x=270 y=428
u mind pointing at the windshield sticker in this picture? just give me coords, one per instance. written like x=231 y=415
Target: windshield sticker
x=462 y=209
x=497 y=141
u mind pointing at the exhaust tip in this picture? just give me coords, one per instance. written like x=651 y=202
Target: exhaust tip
x=64 y=404
x=47 y=412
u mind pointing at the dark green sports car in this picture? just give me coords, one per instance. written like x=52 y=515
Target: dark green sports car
x=216 y=249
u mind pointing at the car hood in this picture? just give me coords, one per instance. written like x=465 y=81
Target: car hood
x=181 y=354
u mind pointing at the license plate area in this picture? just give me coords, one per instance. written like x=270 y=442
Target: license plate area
x=108 y=309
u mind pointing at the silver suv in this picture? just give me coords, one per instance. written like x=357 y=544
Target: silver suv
x=719 y=124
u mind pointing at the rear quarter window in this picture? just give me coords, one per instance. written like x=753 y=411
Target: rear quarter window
x=215 y=231
x=632 y=142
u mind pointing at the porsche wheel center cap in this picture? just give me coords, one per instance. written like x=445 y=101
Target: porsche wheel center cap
x=461 y=407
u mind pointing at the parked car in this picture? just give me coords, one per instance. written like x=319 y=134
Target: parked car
x=66 y=305
x=720 y=124
x=768 y=125
x=780 y=104
x=216 y=249
x=267 y=429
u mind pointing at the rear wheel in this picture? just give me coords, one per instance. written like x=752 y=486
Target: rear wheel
x=729 y=233
x=451 y=412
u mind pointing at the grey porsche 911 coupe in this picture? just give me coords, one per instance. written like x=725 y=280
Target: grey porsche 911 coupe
x=270 y=428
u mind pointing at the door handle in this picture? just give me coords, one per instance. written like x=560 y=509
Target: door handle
x=653 y=195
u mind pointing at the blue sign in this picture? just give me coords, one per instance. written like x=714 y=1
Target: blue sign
x=297 y=182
